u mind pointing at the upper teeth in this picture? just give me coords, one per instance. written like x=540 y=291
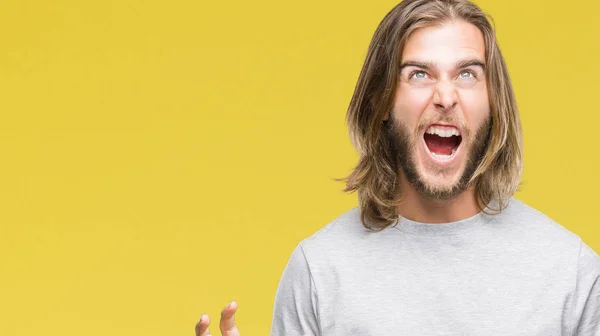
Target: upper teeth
x=443 y=131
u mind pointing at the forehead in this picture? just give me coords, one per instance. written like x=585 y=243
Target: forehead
x=445 y=44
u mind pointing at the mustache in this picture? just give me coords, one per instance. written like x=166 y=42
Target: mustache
x=444 y=119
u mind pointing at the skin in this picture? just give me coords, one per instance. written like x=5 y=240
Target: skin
x=442 y=92
x=226 y=324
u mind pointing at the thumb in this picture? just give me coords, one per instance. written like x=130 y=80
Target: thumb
x=227 y=323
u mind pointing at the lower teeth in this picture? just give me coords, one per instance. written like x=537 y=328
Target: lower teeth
x=443 y=156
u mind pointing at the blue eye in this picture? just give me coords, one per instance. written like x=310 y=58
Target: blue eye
x=469 y=74
x=419 y=75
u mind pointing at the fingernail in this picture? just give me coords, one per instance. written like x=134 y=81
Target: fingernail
x=228 y=305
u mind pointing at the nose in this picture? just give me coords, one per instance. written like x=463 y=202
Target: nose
x=444 y=96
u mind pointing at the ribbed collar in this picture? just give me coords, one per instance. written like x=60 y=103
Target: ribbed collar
x=443 y=229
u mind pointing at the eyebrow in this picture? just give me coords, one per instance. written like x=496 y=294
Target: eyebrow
x=430 y=65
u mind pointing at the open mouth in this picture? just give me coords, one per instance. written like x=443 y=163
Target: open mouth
x=442 y=141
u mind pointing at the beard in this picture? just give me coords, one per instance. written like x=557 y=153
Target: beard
x=403 y=144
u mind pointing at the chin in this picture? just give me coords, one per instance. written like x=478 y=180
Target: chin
x=442 y=186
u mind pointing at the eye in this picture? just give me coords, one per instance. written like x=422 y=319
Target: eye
x=418 y=75
x=467 y=74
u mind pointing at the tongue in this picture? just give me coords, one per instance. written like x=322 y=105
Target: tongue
x=441 y=145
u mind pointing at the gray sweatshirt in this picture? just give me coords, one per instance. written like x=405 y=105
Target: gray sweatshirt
x=516 y=273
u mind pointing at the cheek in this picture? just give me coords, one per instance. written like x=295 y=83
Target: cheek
x=410 y=103
x=475 y=106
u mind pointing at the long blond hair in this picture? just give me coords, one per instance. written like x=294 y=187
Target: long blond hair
x=375 y=177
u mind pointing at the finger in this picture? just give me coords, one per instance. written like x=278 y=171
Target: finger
x=202 y=326
x=227 y=323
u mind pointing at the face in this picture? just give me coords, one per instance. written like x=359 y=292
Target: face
x=441 y=117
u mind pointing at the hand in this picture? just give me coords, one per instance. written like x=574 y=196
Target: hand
x=227 y=323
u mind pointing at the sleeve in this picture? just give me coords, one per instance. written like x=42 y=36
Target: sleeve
x=295 y=311
x=586 y=308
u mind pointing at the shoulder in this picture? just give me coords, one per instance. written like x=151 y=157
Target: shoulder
x=536 y=234
x=343 y=232
x=534 y=224
x=347 y=224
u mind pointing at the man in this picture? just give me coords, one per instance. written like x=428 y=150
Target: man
x=439 y=245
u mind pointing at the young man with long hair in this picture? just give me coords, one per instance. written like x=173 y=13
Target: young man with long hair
x=438 y=244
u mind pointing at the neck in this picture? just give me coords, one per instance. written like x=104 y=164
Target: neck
x=417 y=207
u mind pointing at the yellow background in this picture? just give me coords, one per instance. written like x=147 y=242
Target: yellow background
x=161 y=158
